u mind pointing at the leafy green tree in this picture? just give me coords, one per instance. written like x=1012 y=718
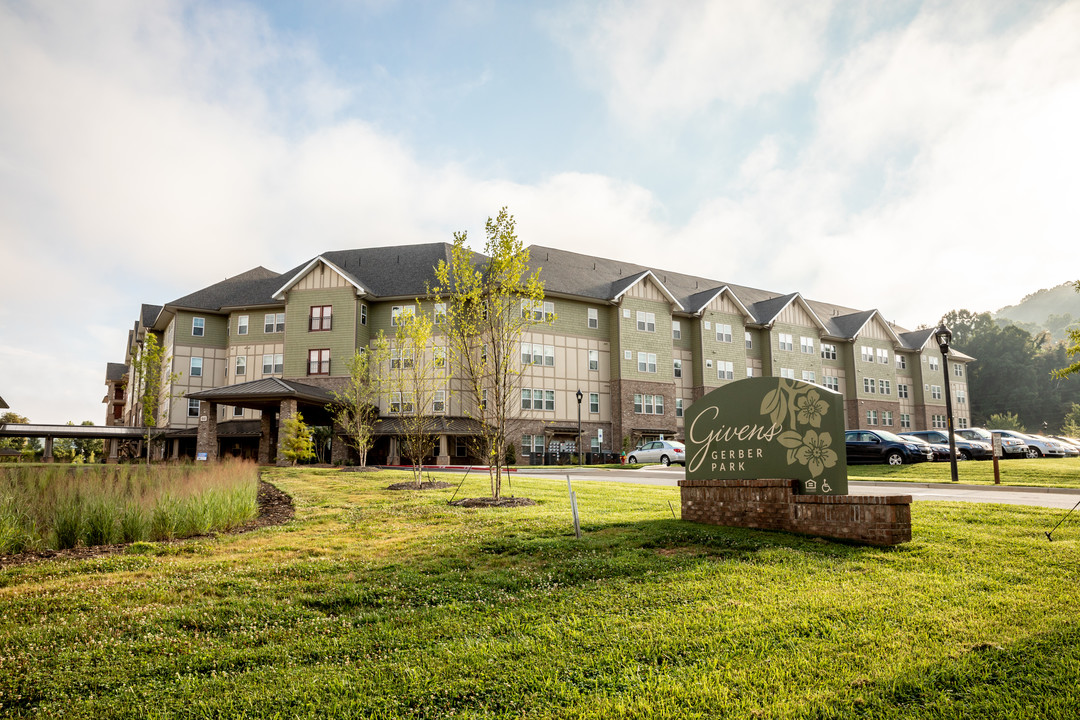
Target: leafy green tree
x=1005 y=421
x=296 y=443
x=29 y=448
x=152 y=383
x=1070 y=425
x=490 y=305
x=89 y=449
x=414 y=373
x=1073 y=349
x=356 y=407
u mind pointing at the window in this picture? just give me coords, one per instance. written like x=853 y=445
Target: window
x=483 y=399
x=594 y=318
x=961 y=422
x=537 y=311
x=901 y=362
x=749 y=340
x=678 y=368
x=937 y=421
x=806 y=345
x=594 y=403
x=363 y=314
x=594 y=444
x=933 y=362
x=320 y=318
x=537 y=354
x=958 y=370
x=273 y=364
x=594 y=359
x=539 y=399
x=274 y=322
x=395 y=402
x=886 y=418
x=196 y=367
x=749 y=372
x=678 y=407
x=646 y=362
x=439 y=353
x=901 y=390
x=319 y=362
x=884 y=387
x=961 y=397
x=649 y=404
x=440 y=313
x=808 y=376
x=237 y=411
x=883 y=356
x=905 y=421
x=198 y=327
x=549 y=399
x=242 y=325
x=723 y=333
x=871 y=417
x=788 y=373
x=869 y=385
x=526 y=444
x=438 y=405
x=192 y=407
x=828 y=352
x=786 y=342
x=708 y=325
x=935 y=392
x=526 y=398
x=676 y=330
x=867 y=353
x=397 y=311
x=832 y=382
x=241 y=364
x=549 y=356
x=725 y=370
x=646 y=321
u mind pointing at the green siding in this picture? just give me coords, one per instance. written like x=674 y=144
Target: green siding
x=214 y=332
x=795 y=358
x=341 y=339
x=718 y=351
x=256 y=327
x=572 y=318
x=636 y=341
x=874 y=369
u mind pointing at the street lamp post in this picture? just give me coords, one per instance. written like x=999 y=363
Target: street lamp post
x=580 y=455
x=944 y=336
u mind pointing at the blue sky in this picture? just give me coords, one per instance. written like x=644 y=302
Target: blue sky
x=914 y=157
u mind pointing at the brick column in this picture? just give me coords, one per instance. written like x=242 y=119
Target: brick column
x=288 y=409
x=207 y=441
x=339 y=451
x=266 y=428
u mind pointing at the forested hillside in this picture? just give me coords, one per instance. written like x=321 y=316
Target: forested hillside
x=1053 y=310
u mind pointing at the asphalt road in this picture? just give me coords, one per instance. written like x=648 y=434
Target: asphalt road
x=658 y=475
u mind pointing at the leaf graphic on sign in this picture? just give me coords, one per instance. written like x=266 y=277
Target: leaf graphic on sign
x=790 y=439
x=773 y=405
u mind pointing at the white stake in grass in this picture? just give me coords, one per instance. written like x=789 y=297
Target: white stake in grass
x=573 y=508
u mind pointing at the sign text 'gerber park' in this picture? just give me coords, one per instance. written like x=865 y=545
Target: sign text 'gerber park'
x=769 y=428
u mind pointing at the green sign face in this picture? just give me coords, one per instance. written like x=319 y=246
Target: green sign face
x=769 y=428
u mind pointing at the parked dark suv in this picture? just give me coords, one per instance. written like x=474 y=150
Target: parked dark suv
x=965 y=449
x=881 y=446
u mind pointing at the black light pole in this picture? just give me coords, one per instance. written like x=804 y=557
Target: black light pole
x=580 y=455
x=944 y=336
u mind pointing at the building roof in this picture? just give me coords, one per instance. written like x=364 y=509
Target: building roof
x=254 y=287
x=439 y=426
x=115 y=372
x=270 y=388
x=4 y=405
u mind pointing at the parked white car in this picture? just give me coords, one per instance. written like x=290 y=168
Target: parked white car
x=1037 y=446
x=664 y=452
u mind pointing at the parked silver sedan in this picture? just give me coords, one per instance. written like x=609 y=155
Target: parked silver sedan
x=664 y=452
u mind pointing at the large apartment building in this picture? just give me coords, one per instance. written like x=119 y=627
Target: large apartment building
x=639 y=343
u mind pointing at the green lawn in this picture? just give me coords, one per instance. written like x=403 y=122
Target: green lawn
x=382 y=604
x=1046 y=472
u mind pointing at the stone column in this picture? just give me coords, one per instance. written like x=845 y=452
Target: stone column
x=288 y=409
x=176 y=449
x=47 y=456
x=394 y=456
x=444 y=452
x=113 y=455
x=207 y=439
x=266 y=428
x=339 y=451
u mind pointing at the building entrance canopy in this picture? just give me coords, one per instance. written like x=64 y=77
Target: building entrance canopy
x=266 y=395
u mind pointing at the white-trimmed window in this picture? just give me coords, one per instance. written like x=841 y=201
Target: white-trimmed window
x=828 y=351
x=438 y=404
x=594 y=403
x=808 y=376
x=526 y=398
x=237 y=411
x=749 y=372
x=901 y=362
x=883 y=356
x=646 y=362
x=961 y=397
x=649 y=404
x=541 y=399
x=363 y=314
x=786 y=341
x=886 y=418
x=398 y=311
x=905 y=421
x=958 y=370
x=676 y=330
x=677 y=368
x=884 y=387
x=788 y=373
x=832 y=382
x=901 y=390
x=319 y=362
x=723 y=333
x=871 y=417
x=646 y=321
x=961 y=422
x=594 y=360
x=935 y=392
x=725 y=370
x=192 y=407
x=933 y=361
x=593 y=318
x=869 y=385
x=195 y=369
x=242 y=325
x=538 y=311
x=439 y=356
x=320 y=318
x=440 y=313
x=274 y=322
x=937 y=422
x=749 y=340
x=198 y=327
x=241 y=365
x=806 y=345
x=273 y=364
x=867 y=353
x=678 y=407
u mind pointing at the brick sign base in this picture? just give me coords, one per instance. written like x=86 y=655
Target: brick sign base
x=772 y=504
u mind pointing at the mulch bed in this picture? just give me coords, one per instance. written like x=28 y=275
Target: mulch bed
x=275 y=508
x=494 y=502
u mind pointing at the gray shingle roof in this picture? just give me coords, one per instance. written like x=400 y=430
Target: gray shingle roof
x=114 y=372
x=253 y=287
x=267 y=388
x=148 y=314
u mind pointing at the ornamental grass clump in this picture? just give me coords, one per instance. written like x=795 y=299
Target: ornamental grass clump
x=59 y=507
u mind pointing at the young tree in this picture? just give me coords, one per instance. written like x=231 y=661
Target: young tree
x=411 y=382
x=1073 y=349
x=296 y=441
x=490 y=304
x=152 y=383
x=356 y=407
x=1070 y=425
x=1006 y=421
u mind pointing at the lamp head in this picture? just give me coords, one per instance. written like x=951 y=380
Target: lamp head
x=943 y=335
x=579 y=396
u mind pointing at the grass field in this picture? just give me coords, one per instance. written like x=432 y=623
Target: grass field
x=383 y=604
x=1046 y=472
